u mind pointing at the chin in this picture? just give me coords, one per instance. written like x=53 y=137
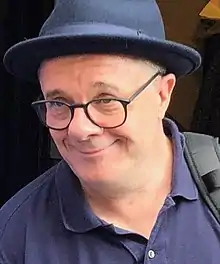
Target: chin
x=93 y=175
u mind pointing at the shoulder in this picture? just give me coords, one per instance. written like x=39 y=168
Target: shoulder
x=19 y=205
x=20 y=212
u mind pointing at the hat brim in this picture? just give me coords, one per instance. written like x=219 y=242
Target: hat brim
x=24 y=59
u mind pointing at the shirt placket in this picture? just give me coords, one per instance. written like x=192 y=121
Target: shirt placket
x=155 y=251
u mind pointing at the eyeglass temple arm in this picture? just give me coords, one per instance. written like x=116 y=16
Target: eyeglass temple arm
x=144 y=86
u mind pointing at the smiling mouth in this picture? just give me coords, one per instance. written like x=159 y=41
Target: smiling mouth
x=95 y=151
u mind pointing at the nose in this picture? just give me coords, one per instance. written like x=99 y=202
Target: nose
x=81 y=128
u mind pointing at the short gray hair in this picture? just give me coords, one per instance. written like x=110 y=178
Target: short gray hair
x=154 y=65
x=157 y=67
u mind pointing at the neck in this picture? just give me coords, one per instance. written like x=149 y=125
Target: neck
x=122 y=205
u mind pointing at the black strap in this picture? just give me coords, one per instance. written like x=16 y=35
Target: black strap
x=202 y=153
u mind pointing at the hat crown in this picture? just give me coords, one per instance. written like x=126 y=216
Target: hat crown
x=141 y=15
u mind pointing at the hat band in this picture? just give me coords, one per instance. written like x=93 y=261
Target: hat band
x=91 y=29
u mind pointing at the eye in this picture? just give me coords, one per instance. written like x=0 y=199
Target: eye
x=106 y=106
x=55 y=104
x=103 y=101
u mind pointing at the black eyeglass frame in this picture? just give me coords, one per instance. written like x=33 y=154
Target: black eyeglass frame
x=72 y=107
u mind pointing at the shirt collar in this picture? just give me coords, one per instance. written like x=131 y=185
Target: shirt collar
x=182 y=182
x=76 y=213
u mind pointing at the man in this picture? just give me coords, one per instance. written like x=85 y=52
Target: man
x=123 y=192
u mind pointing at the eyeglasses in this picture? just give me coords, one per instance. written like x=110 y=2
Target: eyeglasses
x=104 y=112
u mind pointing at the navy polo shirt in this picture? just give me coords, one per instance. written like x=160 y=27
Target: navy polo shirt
x=50 y=222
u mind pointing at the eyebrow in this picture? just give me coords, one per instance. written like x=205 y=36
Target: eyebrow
x=99 y=85
x=54 y=93
x=109 y=87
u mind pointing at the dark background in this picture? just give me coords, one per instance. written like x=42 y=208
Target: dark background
x=24 y=143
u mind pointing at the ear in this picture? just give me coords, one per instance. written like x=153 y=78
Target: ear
x=165 y=90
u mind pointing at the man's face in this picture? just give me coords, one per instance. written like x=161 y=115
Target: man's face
x=106 y=155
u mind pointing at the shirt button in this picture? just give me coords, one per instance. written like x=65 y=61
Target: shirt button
x=151 y=254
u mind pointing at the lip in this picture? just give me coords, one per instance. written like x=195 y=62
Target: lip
x=95 y=151
x=91 y=152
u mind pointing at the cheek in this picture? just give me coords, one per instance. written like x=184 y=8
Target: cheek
x=145 y=114
x=58 y=136
x=142 y=122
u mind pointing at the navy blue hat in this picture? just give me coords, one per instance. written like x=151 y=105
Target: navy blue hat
x=126 y=27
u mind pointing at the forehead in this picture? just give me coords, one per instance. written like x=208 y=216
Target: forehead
x=86 y=70
x=96 y=63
